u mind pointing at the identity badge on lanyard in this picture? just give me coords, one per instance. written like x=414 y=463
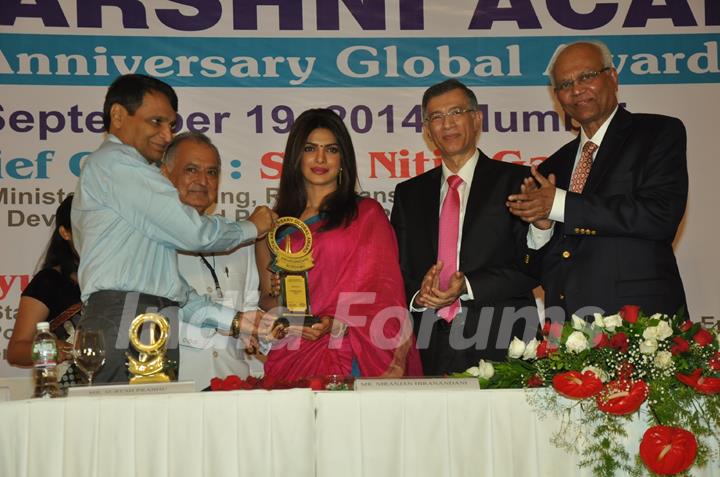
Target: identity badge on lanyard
x=218 y=295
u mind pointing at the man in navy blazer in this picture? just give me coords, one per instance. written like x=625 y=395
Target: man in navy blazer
x=609 y=243
x=494 y=291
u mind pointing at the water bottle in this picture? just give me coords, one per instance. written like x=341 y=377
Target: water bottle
x=45 y=358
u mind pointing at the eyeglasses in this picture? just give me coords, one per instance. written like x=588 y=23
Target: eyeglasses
x=453 y=114
x=583 y=78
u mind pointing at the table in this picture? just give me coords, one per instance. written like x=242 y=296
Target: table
x=287 y=433
x=256 y=433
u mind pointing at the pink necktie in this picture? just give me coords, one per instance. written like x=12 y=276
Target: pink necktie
x=448 y=241
x=582 y=171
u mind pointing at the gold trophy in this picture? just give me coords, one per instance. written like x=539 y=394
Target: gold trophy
x=149 y=366
x=292 y=268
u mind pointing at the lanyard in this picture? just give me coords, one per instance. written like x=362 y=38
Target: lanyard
x=214 y=275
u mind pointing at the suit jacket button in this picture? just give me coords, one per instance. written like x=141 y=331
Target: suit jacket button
x=577 y=230
x=593 y=232
x=562 y=296
x=566 y=254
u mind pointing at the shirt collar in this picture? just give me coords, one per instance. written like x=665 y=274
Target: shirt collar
x=466 y=171
x=114 y=139
x=599 y=134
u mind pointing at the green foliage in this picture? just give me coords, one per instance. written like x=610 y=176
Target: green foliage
x=653 y=355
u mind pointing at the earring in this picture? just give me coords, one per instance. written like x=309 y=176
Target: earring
x=339 y=177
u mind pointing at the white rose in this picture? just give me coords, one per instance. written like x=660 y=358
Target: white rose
x=516 y=349
x=531 y=350
x=650 y=333
x=663 y=331
x=474 y=371
x=599 y=322
x=600 y=373
x=663 y=359
x=613 y=321
x=648 y=346
x=578 y=323
x=487 y=370
x=576 y=342
x=658 y=316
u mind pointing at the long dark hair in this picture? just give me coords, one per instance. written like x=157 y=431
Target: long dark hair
x=60 y=252
x=339 y=207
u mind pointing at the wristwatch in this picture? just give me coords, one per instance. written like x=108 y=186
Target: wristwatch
x=235 y=325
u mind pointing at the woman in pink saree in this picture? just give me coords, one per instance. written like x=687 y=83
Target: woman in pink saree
x=355 y=285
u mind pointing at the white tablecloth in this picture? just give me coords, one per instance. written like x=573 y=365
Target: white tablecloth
x=434 y=433
x=287 y=433
x=253 y=433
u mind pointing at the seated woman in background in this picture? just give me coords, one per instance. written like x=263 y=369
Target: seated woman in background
x=355 y=285
x=53 y=295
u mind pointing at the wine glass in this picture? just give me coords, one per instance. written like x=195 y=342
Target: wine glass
x=89 y=352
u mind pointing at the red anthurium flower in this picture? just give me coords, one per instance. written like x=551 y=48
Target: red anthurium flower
x=708 y=385
x=714 y=362
x=703 y=337
x=622 y=397
x=575 y=385
x=668 y=450
x=690 y=379
x=600 y=340
x=681 y=345
x=700 y=383
x=629 y=313
x=535 y=381
x=619 y=341
x=686 y=325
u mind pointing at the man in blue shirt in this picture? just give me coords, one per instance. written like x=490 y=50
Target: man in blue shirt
x=128 y=224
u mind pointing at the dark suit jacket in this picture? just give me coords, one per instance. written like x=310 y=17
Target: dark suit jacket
x=491 y=256
x=615 y=247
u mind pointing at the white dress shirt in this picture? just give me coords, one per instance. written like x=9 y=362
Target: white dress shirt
x=205 y=353
x=466 y=173
x=536 y=237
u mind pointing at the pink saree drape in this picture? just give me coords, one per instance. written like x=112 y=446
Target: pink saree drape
x=357 y=280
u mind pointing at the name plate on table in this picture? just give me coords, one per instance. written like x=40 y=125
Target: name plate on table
x=133 y=389
x=416 y=384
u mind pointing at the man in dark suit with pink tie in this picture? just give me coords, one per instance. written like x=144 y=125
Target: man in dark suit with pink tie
x=461 y=253
x=606 y=207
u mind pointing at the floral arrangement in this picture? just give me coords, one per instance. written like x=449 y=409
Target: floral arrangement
x=666 y=368
x=316 y=383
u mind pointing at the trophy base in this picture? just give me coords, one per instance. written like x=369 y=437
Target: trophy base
x=155 y=378
x=299 y=319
